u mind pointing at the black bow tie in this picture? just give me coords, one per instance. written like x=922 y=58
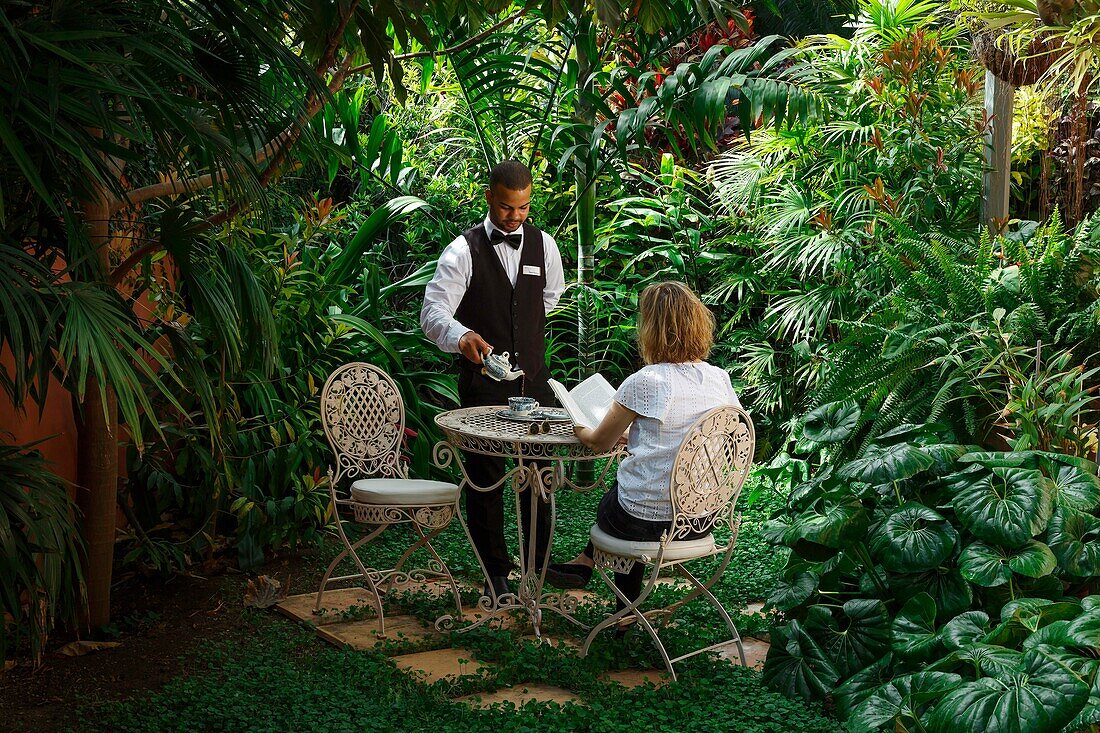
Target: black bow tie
x=513 y=240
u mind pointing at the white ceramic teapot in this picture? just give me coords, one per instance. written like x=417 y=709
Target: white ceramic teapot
x=499 y=367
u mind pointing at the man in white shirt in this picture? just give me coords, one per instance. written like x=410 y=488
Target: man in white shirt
x=491 y=291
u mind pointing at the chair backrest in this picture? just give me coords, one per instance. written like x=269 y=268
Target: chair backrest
x=710 y=468
x=364 y=419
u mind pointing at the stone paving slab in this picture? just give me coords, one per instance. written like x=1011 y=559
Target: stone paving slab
x=333 y=604
x=519 y=695
x=631 y=678
x=756 y=651
x=441 y=664
x=363 y=635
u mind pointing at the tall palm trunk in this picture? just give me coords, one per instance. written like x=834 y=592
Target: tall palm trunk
x=97 y=456
x=586 y=204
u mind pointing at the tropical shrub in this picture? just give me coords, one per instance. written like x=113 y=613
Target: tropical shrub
x=899 y=139
x=903 y=552
x=41 y=581
x=967 y=328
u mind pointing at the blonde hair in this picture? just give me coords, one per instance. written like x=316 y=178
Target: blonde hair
x=673 y=324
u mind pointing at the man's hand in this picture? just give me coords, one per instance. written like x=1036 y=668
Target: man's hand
x=473 y=347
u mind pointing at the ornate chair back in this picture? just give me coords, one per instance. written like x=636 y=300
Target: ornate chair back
x=364 y=420
x=710 y=469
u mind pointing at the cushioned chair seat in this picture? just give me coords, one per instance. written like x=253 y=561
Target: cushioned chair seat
x=682 y=550
x=402 y=492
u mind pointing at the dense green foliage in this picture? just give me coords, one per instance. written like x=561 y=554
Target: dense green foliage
x=303 y=687
x=37 y=539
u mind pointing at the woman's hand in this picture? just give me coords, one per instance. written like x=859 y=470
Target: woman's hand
x=609 y=432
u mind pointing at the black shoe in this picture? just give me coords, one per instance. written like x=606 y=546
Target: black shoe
x=500 y=585
x=567 y=575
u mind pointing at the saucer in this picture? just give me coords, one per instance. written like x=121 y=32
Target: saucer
x=553 y=414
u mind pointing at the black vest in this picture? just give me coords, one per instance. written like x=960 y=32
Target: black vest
x=512 y=319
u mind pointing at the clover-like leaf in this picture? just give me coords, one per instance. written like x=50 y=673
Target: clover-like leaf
x=1006 y=506
x=831 y=423
x=1043 y=698
x=914 y=538
x=1074 y=538
x=881 y=465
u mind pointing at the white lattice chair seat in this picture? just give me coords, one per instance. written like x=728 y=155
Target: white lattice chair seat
x=403 y=492
x=674 y=551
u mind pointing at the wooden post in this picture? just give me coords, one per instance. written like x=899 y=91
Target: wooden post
x=998 y=151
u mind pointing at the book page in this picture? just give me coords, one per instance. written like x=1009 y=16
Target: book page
x=588 y=402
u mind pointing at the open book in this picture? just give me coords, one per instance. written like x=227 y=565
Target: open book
x=588 y=402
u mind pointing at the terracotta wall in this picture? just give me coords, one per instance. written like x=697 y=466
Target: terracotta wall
x=54 y=425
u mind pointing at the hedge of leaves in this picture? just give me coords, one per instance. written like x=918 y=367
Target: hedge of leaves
x=938 y=586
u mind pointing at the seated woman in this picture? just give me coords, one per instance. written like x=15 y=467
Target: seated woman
x=658 y=404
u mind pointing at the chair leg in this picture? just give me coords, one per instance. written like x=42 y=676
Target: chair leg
x=704 y=590
x=408 y=553
x=446 y=569
x=630 y=608
x=350 y=550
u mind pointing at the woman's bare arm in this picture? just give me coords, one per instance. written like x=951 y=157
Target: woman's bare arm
x=609 y=431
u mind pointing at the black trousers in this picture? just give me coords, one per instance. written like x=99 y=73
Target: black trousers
x=485 y=509
x=617 y=522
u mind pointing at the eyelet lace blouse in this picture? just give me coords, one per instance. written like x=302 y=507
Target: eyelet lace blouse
x=668 y=398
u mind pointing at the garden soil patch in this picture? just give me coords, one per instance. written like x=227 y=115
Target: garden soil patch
x=158 y=622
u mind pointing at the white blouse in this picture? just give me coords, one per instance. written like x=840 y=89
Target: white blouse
x=668 y=398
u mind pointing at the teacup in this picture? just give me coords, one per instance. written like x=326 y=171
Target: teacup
x=522 y=406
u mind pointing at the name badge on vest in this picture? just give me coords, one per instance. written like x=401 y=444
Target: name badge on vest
x=532 y=270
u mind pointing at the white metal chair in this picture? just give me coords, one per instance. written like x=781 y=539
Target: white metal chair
x=710 y=468
x=364 y=420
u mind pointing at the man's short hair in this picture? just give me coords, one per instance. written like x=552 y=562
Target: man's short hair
x=510 y=174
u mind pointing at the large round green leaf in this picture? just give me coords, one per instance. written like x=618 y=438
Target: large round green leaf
x=1000 y=459
x=791 y=592
x=965 y=629
x=830 y=522
x=1044 y=698
x=913 y=538
x=1085 y=629
x=862 y=685
x=1006 y=506
x=914 y=628
x=1023 y=617
x=796 y=666
x=1076 y=488
x=991 y=660
x=898 y=705
x=1074 y=538
x=948 y=589
x=860 y=635
x=1034 y=560
x=832 y=422
x=987 y=566
x=1054 y=634
x=881 y=465
x=992 y=566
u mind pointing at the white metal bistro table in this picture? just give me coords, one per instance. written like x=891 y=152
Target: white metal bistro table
x=482 y=430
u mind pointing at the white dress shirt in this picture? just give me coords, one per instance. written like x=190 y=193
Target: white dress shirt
x=452 y=277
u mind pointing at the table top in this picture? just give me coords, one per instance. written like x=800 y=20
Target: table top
x=481 y=430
